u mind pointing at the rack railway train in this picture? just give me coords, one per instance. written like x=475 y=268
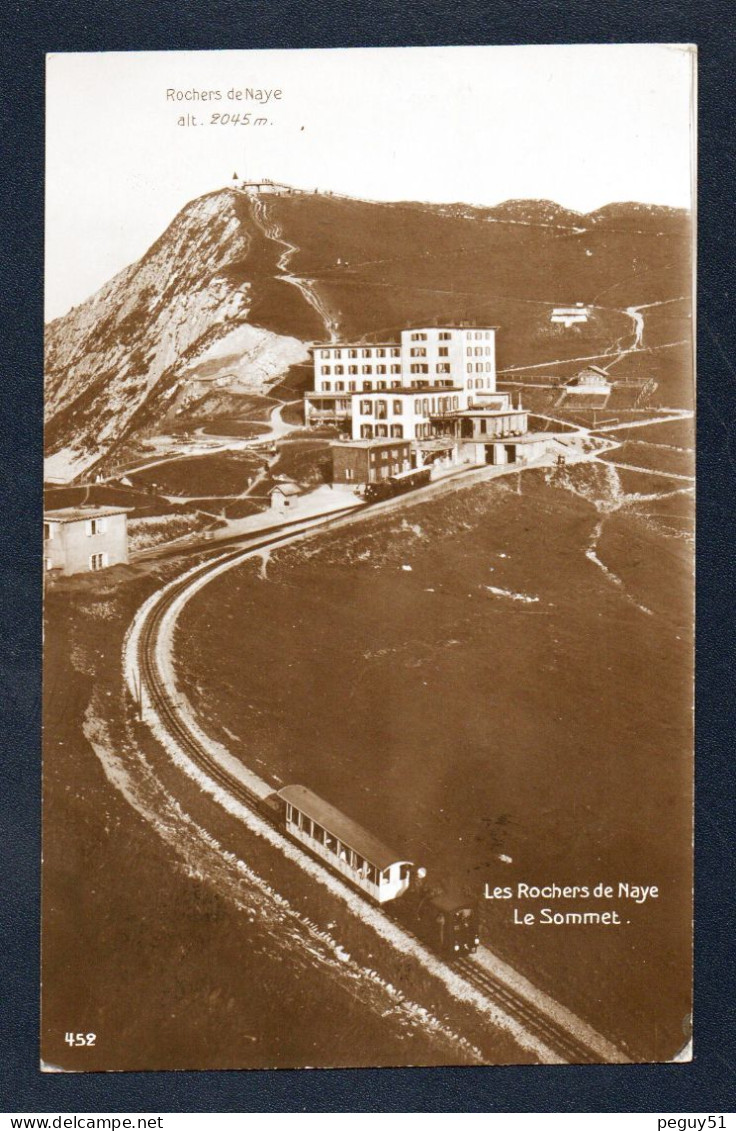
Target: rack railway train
x=397 y=484
x=446 y=923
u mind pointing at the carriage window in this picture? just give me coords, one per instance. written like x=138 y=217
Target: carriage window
x=372 y=874
x=330 y=842
x=404 y=872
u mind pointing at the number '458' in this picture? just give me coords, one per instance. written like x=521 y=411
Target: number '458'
x=78 y=1039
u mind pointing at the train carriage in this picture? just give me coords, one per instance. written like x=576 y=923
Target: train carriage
x=347 y=847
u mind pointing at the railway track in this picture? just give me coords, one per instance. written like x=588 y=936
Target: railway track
x=554 y=1036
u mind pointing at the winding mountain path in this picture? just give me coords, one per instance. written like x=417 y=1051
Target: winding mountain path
x=272 y=231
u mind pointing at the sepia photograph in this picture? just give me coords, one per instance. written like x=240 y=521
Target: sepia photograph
x=368 y=558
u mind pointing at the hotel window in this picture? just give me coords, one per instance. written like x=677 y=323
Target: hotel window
x=337 y=353
x=366 y=432
x=366 y=408
x=419 y=337
x=444 y=351
x=380 y=353
x=339 y=386
x=396 y=384
x=367 y=369
x=443 y=367
x=398 y=408
x=396 y=369
x=418 y=408
x=351 y=386
x=380 y=369
x=469 y=367
x=366 y=353
x=445 y=336
x=324 y=353
x=419 y=368
x=48 y=531
x=352 y=369
x=352 y=353
x=395 y=352
x=488 y=333
x=382 y=431
x=381 y=409
x=487 y=351
x=479 y=351
x=470 y=382
x=469 y=351
x=479 y=367
x=478 y=335
x=381 y=385
x=488 y=367
x=418 y=351
x=455 y=402
x=367 y=386
x=339 y=369
x=326 y=386
x=478 y=383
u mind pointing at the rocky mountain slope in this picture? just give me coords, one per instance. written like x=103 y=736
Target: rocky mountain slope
x=225 y=302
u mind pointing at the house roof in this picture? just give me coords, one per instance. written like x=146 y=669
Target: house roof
x=344 y=828
x=286 y=489
x=82 y=513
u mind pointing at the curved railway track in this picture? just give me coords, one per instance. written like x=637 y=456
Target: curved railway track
x=552 y=1034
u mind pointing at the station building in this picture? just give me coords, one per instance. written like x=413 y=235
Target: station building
x=83 y=539
x=369 y=461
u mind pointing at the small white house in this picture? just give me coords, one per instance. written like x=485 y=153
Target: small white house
x=285 y=496
x=85 y=538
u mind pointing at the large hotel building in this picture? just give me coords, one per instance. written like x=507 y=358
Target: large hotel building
x=436 y=388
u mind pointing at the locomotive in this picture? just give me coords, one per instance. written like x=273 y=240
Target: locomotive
x=397 y=484
x=445 y=922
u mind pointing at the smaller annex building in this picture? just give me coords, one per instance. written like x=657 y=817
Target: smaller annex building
x=368 y=461
x=85 y=538
x=590 y=380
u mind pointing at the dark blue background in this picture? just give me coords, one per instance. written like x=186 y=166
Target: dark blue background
x=31 y=30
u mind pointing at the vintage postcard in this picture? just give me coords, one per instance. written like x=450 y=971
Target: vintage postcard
x=368 y=558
